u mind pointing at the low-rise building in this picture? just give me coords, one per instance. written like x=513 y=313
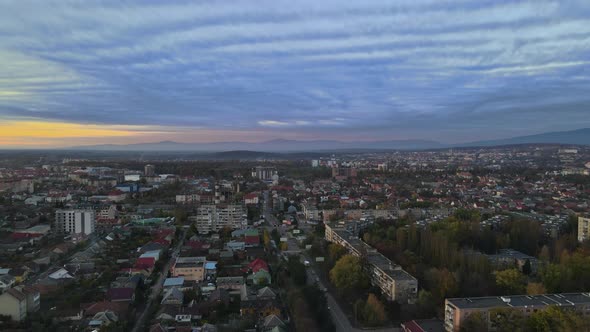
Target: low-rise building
x=458 y=309
x=191 y=268
x=17 y=302
x=395 y=283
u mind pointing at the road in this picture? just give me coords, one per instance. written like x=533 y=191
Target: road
x=340 y=319
x=157 y=287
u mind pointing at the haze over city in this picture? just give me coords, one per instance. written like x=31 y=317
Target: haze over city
x=95 y=72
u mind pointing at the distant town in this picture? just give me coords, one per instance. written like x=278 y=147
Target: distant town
x=465 y=239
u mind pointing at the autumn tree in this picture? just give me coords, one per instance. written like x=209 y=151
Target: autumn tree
x=510 y=281
x=335 y=251
x=476 y=321
x=348 y=273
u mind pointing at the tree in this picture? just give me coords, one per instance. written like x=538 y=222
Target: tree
x=475 y=322
x=554 y=319
x=348 y=274
x=374 y=311
x=297 y=270
x=526 y=268
x=510 y=281
x=507 y=320
x=535 y=288
x=336 y=251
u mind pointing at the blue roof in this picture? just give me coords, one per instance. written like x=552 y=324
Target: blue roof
x=169 y=282
x=210 y=265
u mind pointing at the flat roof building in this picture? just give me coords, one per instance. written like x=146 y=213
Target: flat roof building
x=458 y=309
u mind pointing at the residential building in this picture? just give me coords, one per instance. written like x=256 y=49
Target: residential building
x=458 y=309
x=149 y=170
x=212 y=218
x=583 y=229
x=191 y=268
x=17 y=302
x=395 y=283
x=75 y=221
x=264 y=173
x=107 y=212
x=188 y=198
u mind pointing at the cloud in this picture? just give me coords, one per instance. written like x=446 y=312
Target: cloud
x=404 y=69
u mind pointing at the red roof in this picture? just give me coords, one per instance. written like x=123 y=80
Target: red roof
x=252 y=239
x=251 y=196
x=257 y=265
x=145 y=262
x=120 y=294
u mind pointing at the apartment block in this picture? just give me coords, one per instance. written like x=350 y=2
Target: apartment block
x=583 y=229
x=212 y=218
x=395 y=283
x=264 y=173
x=75 y=221
x=17 y=302
x=458 y=309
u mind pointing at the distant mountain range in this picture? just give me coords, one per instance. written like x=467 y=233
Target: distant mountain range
x=575 y=137
x=278 y=145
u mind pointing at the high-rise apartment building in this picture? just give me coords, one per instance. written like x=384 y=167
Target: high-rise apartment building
x=212 y=218
x=583 y=229
x=264 y=173
x=149 y=170
x=75 y=221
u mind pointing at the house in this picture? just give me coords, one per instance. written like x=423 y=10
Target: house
x=272 y=323
x=6 y=282
x=259 y=308
x=103 y=318
x=20 y=274
x=230 y=283
x=257 y=265
x=251 y=199
x=173 y=296
x=423 y=325
x=262 y=277
x=119 y=308
x=121 y=294
x=177 y=282
x=16 y=303
x=145 y=263
x=219 y=295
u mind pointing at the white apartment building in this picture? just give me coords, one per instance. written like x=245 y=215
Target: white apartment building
x=75 y=221
x=583 y=229
x=212 y=218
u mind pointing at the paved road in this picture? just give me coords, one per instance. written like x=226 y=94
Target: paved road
x=157 y=287
x=340 y=319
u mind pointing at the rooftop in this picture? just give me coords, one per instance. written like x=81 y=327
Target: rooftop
x=565 y=299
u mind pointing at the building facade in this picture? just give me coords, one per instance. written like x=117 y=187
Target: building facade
x=190 y=268
x=458 y=309
x=212 y=218
x=583 y=229
x=395 y=283
x=75 y=221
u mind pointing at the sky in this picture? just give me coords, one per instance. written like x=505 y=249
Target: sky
x=93 y=72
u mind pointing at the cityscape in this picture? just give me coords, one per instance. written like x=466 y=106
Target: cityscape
x=272 y=166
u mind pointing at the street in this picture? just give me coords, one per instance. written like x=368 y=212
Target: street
x=157 y=287
x=340 y=319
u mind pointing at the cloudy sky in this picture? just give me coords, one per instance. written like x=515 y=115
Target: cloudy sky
x=89 y=72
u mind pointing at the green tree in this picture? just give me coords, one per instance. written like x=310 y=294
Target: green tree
x=348 y=274
x=336 y=251
x=510 y=281
x=475 y=322
x=507 y=320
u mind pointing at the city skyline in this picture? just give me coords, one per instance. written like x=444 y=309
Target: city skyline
x=118 y=73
